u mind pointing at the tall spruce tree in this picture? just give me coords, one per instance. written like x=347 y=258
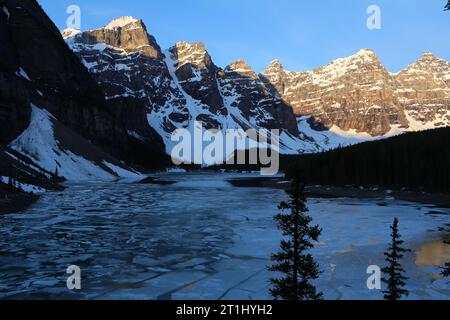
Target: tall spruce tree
x=293 y=261
x=394 y=277
x=55 y=175
x=447 y=7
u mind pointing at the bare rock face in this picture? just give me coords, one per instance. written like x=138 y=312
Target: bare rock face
x=352 y=93
x=126 y=33
x=246 y=91
x=15 y=90
x=358 y=93
x=424 y=90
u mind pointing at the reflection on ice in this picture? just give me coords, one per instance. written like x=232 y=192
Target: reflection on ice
x=435 y=253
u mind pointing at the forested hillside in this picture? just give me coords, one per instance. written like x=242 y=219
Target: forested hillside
x=415 y=161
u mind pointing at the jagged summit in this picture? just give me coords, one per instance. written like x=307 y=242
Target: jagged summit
x=182 y=43
x=428 y=63
x=364 y=61
x=428 y=55
x=239 y=66
x=122 y=22
x=69 y=33
x=274 y=71
x=431 y=58
x=242 y=68
x=125 y=34
x=366 y=52
x=191 y=53
x=362 y=56
x=274 y=65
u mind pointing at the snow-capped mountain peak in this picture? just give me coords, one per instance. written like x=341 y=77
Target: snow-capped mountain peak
x=355 y=63
x=275 y=65
x=123 y=35
x=275 y=72
x=69 y=33
x=122 y=22
x=427 y=55
x=242 y=68
x=191 y=53
x=431 y=64
x=367 y=53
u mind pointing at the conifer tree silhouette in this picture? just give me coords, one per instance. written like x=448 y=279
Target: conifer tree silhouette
x=446 y=269
x=296 y=265
x=394 y=277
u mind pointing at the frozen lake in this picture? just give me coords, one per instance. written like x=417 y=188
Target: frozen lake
x=202 y=238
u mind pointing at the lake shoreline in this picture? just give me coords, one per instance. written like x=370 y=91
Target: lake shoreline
x=437 y=199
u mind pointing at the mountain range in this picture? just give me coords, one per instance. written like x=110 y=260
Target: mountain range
x=346 y=101
x=103 y=104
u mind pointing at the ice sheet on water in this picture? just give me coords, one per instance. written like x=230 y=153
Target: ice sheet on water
x=197 y=243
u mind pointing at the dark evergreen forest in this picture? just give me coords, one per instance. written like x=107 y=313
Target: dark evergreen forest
x=415 y=161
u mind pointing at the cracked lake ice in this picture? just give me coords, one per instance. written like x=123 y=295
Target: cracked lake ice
x=202 y=238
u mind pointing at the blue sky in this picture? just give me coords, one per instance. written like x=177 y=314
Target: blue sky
x=301 y=34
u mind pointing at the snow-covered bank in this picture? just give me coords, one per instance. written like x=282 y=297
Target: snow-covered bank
x=39 y=143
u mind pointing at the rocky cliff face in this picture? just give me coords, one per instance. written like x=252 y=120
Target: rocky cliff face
x=423 y=89
x=127 y=64
x=246 y=91
x=196 y=73
x=38 y=69
x=358 y=93
x=172 y=89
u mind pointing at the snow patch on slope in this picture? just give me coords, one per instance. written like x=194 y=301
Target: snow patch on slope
x=122 y=172
x=329 y=139
x=234 y=120
x=335 y=137
x=440 y=121
x=6 y=11
x=38 y=142
x=23 y=74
